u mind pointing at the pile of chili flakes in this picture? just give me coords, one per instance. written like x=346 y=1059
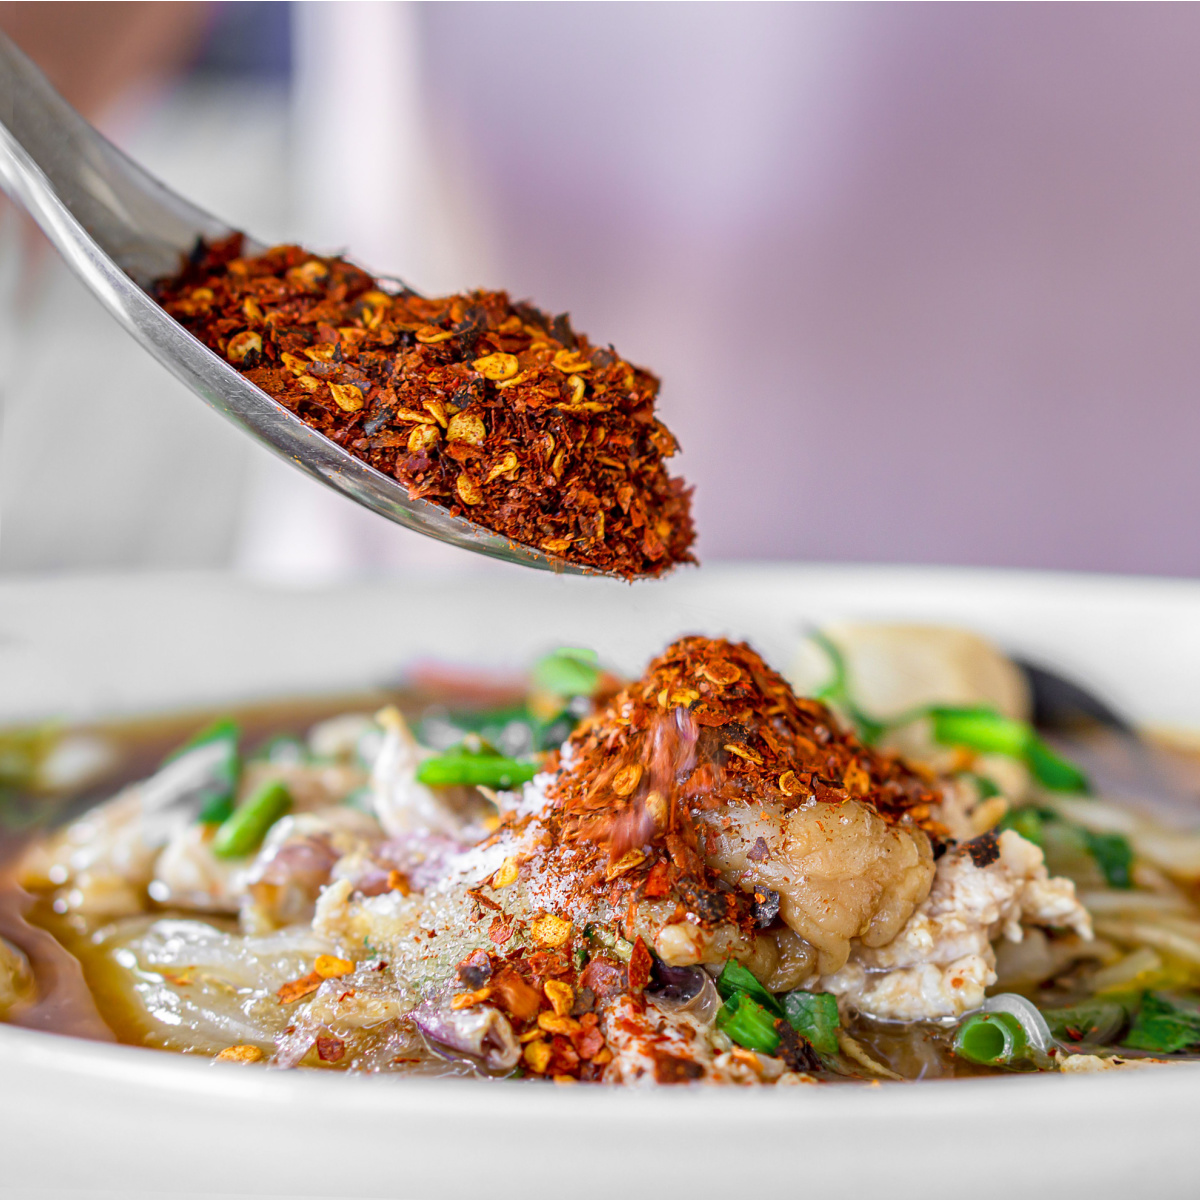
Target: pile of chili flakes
x=710 y=724
x=489 y=409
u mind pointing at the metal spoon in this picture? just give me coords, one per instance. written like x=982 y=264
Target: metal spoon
x=119 y=229
x=1120 y=762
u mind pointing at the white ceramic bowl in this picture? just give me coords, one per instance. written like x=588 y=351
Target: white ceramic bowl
x=78 y=1117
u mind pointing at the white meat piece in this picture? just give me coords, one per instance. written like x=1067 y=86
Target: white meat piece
x=103 y=862
x=402 y=804
x=189 y=875
x=1087 y=1064
x=297 y=858
x=942 y=962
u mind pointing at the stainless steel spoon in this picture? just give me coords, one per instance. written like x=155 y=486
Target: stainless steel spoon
x=1121 y=763
x=119 y=229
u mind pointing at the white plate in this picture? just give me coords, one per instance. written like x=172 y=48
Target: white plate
x=77 y=1117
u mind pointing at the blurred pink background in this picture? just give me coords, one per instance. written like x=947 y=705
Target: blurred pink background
x=922 y=281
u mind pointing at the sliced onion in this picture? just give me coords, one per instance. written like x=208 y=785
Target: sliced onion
x=685 y=989
x=481 y=1031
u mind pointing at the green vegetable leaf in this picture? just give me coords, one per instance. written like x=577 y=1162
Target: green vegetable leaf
x=1065 y=842
x=1030 y=822
x=987 y=787
x=814 y=1015
x=1114 y=856
x=748 y=1024
x=569 y=671
x=1095 y=1021
x=224 y=729
x=735 y=979
x=1164 y=1026
x=1053 y=771
x=215 y=801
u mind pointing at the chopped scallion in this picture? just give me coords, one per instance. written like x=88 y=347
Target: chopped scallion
x=735 y=978
x=475 y=766
x=991 y=1039
x=986 y=731
x=243 y=831
x=748 y=1023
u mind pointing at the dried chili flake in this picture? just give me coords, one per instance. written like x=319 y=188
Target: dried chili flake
x=514 y=996
x=501 y=930
x=491 y=410
x=658 y=882
x=640 y=964
x=330 y=1048
x=295 y=989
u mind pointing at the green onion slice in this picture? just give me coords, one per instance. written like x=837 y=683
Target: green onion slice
x=1113 y=855
x=748 y=1023
x=735 y=979
x=243 y=831
x=476 y=765
x=984 y=730
x=991 y=1039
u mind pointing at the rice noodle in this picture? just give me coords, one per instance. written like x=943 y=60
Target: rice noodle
x=1158 y=936
x=1141 y=964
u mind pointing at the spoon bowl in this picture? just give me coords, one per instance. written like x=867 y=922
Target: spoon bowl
x=120 y=229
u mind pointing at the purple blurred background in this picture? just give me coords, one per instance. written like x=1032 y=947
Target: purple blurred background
x=922 y=281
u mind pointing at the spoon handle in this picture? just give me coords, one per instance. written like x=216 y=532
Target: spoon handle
x=72 y=180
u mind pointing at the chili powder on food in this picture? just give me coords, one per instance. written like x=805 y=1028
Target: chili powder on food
x=710 y=724
x=491 y=410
